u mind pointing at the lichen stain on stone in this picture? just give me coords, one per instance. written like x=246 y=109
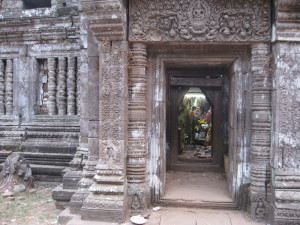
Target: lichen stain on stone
x=288 y=139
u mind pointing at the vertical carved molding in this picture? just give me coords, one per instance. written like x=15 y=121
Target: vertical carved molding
x=261 y=130
x=2 y=88
x=71 y=86
x=9 y=87
x=61 y=87
x=137 y=147
x=107 y=198
x=78 y=89
x=137 y=115
x=52 y=86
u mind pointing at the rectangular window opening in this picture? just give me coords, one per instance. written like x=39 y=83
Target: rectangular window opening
x=35 y=4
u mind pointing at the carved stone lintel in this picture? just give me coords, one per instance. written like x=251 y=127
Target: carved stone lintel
x=206 y=20
x=2 y=88
x=61 y=87
x=52 y=86
x=9 y=87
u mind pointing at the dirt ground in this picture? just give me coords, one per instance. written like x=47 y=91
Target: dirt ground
x=197 y=187
x=30 y=208
x=39 y=208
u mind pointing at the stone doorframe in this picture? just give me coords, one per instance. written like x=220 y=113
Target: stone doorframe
x=242 y=67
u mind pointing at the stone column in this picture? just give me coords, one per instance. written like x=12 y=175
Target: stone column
x=52 y=86
x=78 y=85
x=71 y=86
x=2 y=88
x=107 y=198
x=9 y=87
x=261 y=130
x=137 y=118
x=61 y=87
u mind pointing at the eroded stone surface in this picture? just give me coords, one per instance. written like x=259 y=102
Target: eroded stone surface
x=90 y=78
x=16 y=175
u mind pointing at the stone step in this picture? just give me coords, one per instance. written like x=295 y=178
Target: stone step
x=61 y=194
x=204 y=205
x=196 y=167
x=54 y=159
x=66 y=217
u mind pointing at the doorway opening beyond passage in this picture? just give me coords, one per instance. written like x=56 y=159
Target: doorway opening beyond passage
x=197 y=132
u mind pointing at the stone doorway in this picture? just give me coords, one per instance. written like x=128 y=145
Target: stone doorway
x=228 y=93
x=211 y=83
x=197 y=180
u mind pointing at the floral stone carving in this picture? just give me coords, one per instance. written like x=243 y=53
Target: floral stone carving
x=199 y=20
x=16 y=174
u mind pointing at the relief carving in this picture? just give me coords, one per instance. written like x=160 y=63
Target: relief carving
x=102 y=204
x=260 y=211
x=112 y=59
x=199 y=20
x=288 y=99
x=136 y=206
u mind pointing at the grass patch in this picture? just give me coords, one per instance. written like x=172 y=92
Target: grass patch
x=29 y=208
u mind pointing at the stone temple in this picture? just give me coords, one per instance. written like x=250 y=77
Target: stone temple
x=89 y=92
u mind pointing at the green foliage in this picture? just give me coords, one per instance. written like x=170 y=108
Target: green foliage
x=185 y=119
x=191 y=124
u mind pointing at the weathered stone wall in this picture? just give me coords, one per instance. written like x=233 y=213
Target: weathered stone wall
x=39 y=83
x=72 y=79
x=285 y=159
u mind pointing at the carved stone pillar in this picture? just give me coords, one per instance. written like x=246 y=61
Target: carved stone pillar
x=285 y=139
x=285 y=201
x=137 y=117
x=107 y=198
x=52 y=86
x=61 y=87
x=9 y=87
x=78 y=88
x=261 y=130
x=2 y=88
x=71 y=86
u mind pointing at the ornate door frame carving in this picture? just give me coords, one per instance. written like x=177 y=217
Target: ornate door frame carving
x=158 y=146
